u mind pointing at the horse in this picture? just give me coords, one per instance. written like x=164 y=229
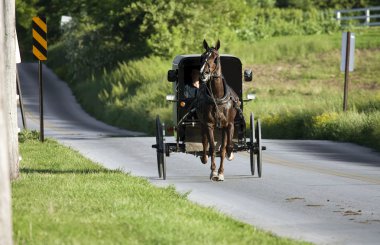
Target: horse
x=217 y=106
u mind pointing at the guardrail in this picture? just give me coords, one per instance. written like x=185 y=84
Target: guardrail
x=368 y=15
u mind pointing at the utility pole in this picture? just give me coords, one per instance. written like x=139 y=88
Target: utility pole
x=11 y=85
x=5 y=189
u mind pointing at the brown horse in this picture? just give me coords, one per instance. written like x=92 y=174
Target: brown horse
x=216 y=107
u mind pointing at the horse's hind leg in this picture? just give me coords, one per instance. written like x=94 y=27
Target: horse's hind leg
x=204 y=157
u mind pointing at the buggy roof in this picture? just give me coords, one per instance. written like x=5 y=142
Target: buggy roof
x=231 y=69
x=178 y=60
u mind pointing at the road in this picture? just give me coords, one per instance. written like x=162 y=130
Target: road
x=319 y=191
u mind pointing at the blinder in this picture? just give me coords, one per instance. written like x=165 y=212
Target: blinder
x=205 y=63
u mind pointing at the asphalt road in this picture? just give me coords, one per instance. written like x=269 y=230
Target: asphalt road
x=319 y=191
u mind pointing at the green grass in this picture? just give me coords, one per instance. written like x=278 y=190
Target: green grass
x=296 y=79
x=63 y=198
x=290 y=48
x=316 y=83
x=293 y=96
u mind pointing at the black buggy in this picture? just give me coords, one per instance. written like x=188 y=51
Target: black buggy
x=187 y=129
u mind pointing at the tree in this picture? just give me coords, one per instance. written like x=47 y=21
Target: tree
x=25 y=10
x=5 y=196
x=334 y=4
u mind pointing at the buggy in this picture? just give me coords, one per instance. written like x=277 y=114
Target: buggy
x=187 y=129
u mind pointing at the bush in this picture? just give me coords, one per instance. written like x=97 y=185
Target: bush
x=269 y=22
x=361 y=128
x=26 y=135
x=130 y=96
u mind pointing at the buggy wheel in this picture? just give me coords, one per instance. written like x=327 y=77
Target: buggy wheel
x=253 y=141
x=162 y=166
x=160 y=142
x=259 y=148
x=163 y=154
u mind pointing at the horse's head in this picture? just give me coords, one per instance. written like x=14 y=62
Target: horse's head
x=210 y=62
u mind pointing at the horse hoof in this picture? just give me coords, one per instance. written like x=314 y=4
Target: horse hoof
x=204 y=160
x=214 y=176
x=221 y=177
x=231 y=157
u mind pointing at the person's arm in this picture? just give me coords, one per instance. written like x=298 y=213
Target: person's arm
x=186 y=91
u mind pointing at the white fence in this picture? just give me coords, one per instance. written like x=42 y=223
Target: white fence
x=365 y=14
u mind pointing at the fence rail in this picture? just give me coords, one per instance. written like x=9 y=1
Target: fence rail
x=368 y=15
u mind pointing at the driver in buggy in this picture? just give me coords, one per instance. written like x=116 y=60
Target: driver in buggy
x=192 y=89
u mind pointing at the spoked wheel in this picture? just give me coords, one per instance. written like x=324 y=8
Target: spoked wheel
x=160 y=143
x=253 y=141
x=259 y=147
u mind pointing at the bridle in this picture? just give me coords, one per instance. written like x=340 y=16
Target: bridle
x=208 y=75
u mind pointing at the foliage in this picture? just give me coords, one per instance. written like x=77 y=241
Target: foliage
x=261 y=3
x=300 y=96
x=357 y=127
x=25 y=11
x=267 y=23
x=130 y=96
x=335 y=4
x=79 y=43
x=144 y=27
x=140 y=28
x=158 y=27
x=131 y=30
x=133 y=93
x=26 y=135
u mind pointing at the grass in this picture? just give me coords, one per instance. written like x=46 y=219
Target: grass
x=290 y=48
x=316 y=83
x=297 y=79
x=64 y=198
x=295 y=95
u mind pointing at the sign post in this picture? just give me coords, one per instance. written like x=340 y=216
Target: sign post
x=347 y=64
x=40 y=52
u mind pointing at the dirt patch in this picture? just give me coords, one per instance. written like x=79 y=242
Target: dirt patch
x=350 y=212
x=369 y=221
x=292 y=199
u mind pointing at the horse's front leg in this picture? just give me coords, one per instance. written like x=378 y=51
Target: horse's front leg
x=230 y=147
x=204 y=157
x=222 y=154
x=210 y=136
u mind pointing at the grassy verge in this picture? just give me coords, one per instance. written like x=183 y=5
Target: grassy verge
x=63 y=198
x=302 y=97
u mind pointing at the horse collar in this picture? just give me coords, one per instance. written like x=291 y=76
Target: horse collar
x=224 y=99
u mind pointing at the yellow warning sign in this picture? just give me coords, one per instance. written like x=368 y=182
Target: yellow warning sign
x=40 y=38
